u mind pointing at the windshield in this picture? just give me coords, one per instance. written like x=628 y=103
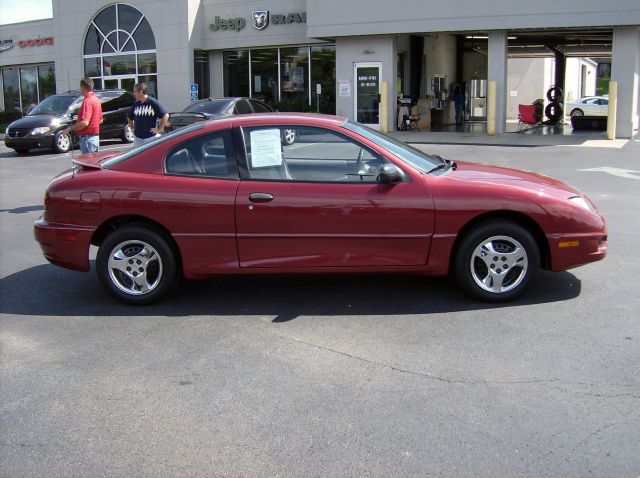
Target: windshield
x=56 y=104
x=133 y=151
x=416 y=158
x=213 y=107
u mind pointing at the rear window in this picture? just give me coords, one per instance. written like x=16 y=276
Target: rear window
x=211 y=107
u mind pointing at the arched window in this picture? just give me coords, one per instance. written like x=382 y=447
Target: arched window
x=120 y=49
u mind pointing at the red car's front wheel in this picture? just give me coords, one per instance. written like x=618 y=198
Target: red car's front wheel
x=496 y=261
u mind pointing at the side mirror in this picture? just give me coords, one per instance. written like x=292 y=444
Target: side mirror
x=391 y=174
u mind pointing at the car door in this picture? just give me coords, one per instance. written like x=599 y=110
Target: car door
x=318 y=203
x=603 y=107
x=590 y=107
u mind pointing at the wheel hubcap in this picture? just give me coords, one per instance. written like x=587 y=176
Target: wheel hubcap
x=63 y=141
x=289 y=136
x=135 y=267
x=499 y=264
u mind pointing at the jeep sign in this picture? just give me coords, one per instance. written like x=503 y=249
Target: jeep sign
x=259 y=19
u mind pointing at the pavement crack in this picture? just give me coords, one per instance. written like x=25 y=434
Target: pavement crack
x=423 y=374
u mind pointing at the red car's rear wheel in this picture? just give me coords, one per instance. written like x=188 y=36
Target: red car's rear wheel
x=136 y=265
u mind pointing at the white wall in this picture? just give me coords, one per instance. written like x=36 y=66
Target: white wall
x=371 y=17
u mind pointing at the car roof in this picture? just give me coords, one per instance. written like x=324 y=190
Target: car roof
x=276 y=118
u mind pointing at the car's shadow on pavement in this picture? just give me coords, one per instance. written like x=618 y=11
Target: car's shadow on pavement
x=52 y=291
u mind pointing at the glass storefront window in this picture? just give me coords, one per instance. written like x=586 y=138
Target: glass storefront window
x=290 y=90
x=119 y=49
x=46 y=81
x=28 y=87
x=236 y=73
x=323 y=71
x=201 y=72
x=294 y=71
x=11 y=82
x=264 y=75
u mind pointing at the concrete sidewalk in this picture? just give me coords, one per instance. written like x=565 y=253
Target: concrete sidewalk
x=590 y=138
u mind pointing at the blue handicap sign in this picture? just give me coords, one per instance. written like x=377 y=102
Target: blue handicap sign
x=194 y=87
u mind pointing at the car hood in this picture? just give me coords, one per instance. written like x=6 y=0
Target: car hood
x=485 y=173
x=35 y=121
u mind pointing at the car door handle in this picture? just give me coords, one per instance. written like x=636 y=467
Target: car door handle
x=260 y=197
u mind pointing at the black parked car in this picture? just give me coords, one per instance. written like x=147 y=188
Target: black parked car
x=42 y=127
x=209 y=108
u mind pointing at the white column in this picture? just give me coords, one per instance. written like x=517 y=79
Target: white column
x=497 y=71
x=625 y=69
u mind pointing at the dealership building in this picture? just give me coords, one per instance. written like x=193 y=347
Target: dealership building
x=331 y=56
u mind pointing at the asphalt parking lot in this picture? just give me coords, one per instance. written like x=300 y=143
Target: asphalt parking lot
x=325 y=375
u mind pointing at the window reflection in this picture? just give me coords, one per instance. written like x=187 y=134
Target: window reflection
x=236 y=73
x=294 y=68
x=28 y=88
x=264 y=75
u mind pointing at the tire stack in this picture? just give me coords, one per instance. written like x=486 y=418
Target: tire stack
x=555 y=109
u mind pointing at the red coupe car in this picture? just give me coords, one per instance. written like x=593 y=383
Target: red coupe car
x=227 y=197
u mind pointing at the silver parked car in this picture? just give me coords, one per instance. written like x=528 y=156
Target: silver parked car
x=589 y=106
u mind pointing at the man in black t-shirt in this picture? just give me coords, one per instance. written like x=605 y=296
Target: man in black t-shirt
x=147 y=117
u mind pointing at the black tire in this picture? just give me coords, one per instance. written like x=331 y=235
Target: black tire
x=554 y=112
x=139 y=279
x=21 y=150
x=496 y=261
x=554 y=94
x=62 y=142
x=127 y=134
x=577 y=112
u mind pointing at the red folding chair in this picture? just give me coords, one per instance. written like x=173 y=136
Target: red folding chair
x=527 y=117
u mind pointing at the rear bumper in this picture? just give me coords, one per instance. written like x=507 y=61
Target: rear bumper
x=31 y=142
x=64 y=245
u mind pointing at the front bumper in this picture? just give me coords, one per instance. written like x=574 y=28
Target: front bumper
x=573 y=250
x=31 y=142
x=65 y=245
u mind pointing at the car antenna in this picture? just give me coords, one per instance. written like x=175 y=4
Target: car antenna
x=73 y=167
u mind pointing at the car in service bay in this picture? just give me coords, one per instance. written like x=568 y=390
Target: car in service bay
x=226 y=197
x=589 y=106
x=43 y=126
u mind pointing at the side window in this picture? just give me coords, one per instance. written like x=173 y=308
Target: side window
x=318 y=155
x=604 y=102
x=259 y=107
x=210 y=155
x=242 y=108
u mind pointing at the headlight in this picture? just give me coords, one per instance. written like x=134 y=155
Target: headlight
x=43 y=130
x=582 y=202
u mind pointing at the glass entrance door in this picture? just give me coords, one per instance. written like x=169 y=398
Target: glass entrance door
x=124 y=83
x=367 y=95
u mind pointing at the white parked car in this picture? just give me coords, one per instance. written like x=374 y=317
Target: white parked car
x=589 y=106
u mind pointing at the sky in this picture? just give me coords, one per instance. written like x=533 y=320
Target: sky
x=14 y=11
